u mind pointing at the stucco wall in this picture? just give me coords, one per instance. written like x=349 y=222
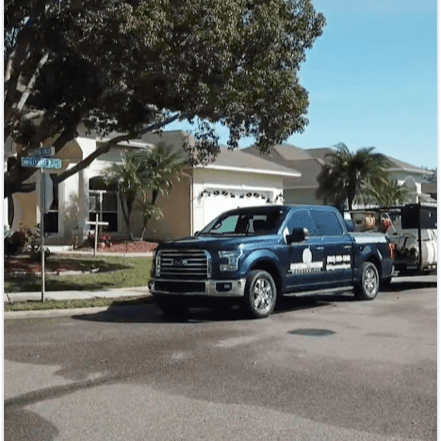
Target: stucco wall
x=175 y=207
x=301 y=196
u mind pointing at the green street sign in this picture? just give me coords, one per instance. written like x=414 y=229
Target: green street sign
x=38 y=162
x=42 y=152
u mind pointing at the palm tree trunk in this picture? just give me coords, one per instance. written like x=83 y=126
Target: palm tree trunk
x=152 y=202
x=126 y=216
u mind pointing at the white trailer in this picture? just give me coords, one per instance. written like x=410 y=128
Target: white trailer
x=412 y=230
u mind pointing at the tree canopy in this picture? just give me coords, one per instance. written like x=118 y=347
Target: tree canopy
x=134 y=66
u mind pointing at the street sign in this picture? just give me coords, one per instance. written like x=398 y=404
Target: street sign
x=38 y=162
x=42 y=152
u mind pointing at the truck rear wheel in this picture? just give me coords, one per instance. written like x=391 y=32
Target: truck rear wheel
x=369 y=284
x=260 y=294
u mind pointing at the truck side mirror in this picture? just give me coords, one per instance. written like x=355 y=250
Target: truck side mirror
x=297 y=235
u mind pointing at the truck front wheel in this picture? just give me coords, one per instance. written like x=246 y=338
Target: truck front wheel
x=370 y=282
x=260 y=294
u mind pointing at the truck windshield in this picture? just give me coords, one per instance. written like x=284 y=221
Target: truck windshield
x=247 y=222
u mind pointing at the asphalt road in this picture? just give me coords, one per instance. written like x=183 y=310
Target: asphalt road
x=323 y=368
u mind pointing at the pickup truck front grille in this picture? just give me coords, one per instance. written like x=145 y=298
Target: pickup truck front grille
x=183 y=264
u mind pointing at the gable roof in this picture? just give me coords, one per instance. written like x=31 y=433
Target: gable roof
x=237 y=160
x=395 y=164
x=291 y=152
x=234 y=160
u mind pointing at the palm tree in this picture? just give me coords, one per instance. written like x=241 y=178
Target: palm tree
x=347 y=175
x=140 y=178
x=159 y=169
x=386 y=192
x=124 y=176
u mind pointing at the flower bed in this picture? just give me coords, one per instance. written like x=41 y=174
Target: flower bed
x=129 y=247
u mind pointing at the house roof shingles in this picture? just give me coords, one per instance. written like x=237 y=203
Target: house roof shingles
x=235 y=160
x=241 y=161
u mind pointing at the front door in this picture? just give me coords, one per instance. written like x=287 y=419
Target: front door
x=337 y=245
x=305 y=264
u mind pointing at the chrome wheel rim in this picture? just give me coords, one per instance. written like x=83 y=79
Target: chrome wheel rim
x=263 y=295
x=370 y=281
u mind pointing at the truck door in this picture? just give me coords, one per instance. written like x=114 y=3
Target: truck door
x=337 y=248
x=304 y=264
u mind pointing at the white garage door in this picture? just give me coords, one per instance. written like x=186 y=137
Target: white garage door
x=217 y=201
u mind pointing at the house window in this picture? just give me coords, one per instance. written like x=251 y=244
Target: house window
x=103 y=201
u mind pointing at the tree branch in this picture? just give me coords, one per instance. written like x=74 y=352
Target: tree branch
x=106 y=147
x=31 y=83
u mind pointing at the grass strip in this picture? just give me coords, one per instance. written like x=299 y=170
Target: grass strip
x=113 y=272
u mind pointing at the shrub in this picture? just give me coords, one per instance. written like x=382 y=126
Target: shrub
x=102 y=238
x=17 y=240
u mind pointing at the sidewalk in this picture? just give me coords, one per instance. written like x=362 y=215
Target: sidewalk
x=115 y=293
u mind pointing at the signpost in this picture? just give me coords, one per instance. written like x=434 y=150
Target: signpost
x=38 y=159
x=97 y=224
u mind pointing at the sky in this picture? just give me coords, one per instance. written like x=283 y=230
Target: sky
x=372 y=80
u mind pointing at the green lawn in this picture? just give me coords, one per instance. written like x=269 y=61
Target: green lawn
x=113 y=272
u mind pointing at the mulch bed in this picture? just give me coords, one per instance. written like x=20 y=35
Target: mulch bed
x=130 y=247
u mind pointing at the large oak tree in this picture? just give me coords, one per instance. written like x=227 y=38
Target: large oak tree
x=133 y=66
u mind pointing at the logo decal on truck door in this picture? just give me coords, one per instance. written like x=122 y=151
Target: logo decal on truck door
x=308 y=266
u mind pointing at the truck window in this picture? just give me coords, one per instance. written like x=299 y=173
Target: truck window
x=246 y=221
x=327 y=222
x=227 y=225
x=302 y=219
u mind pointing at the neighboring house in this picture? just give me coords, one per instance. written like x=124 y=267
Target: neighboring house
x=310 y=161
x=300 y=190
x=430 y=189
x=235 y=179
x=405 y=174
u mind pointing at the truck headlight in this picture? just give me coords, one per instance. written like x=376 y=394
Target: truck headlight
x=232 y=258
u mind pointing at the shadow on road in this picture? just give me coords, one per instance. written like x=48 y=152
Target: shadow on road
x=145 y=310
x=407 y=285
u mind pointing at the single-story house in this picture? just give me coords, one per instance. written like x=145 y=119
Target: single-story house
x=235 y=179
x=310 y=162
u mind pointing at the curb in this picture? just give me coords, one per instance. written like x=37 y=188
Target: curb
x=114 y=294
x=72 y=311
x=52 y=312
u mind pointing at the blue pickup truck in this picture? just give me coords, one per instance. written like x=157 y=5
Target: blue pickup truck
x=256 y=255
